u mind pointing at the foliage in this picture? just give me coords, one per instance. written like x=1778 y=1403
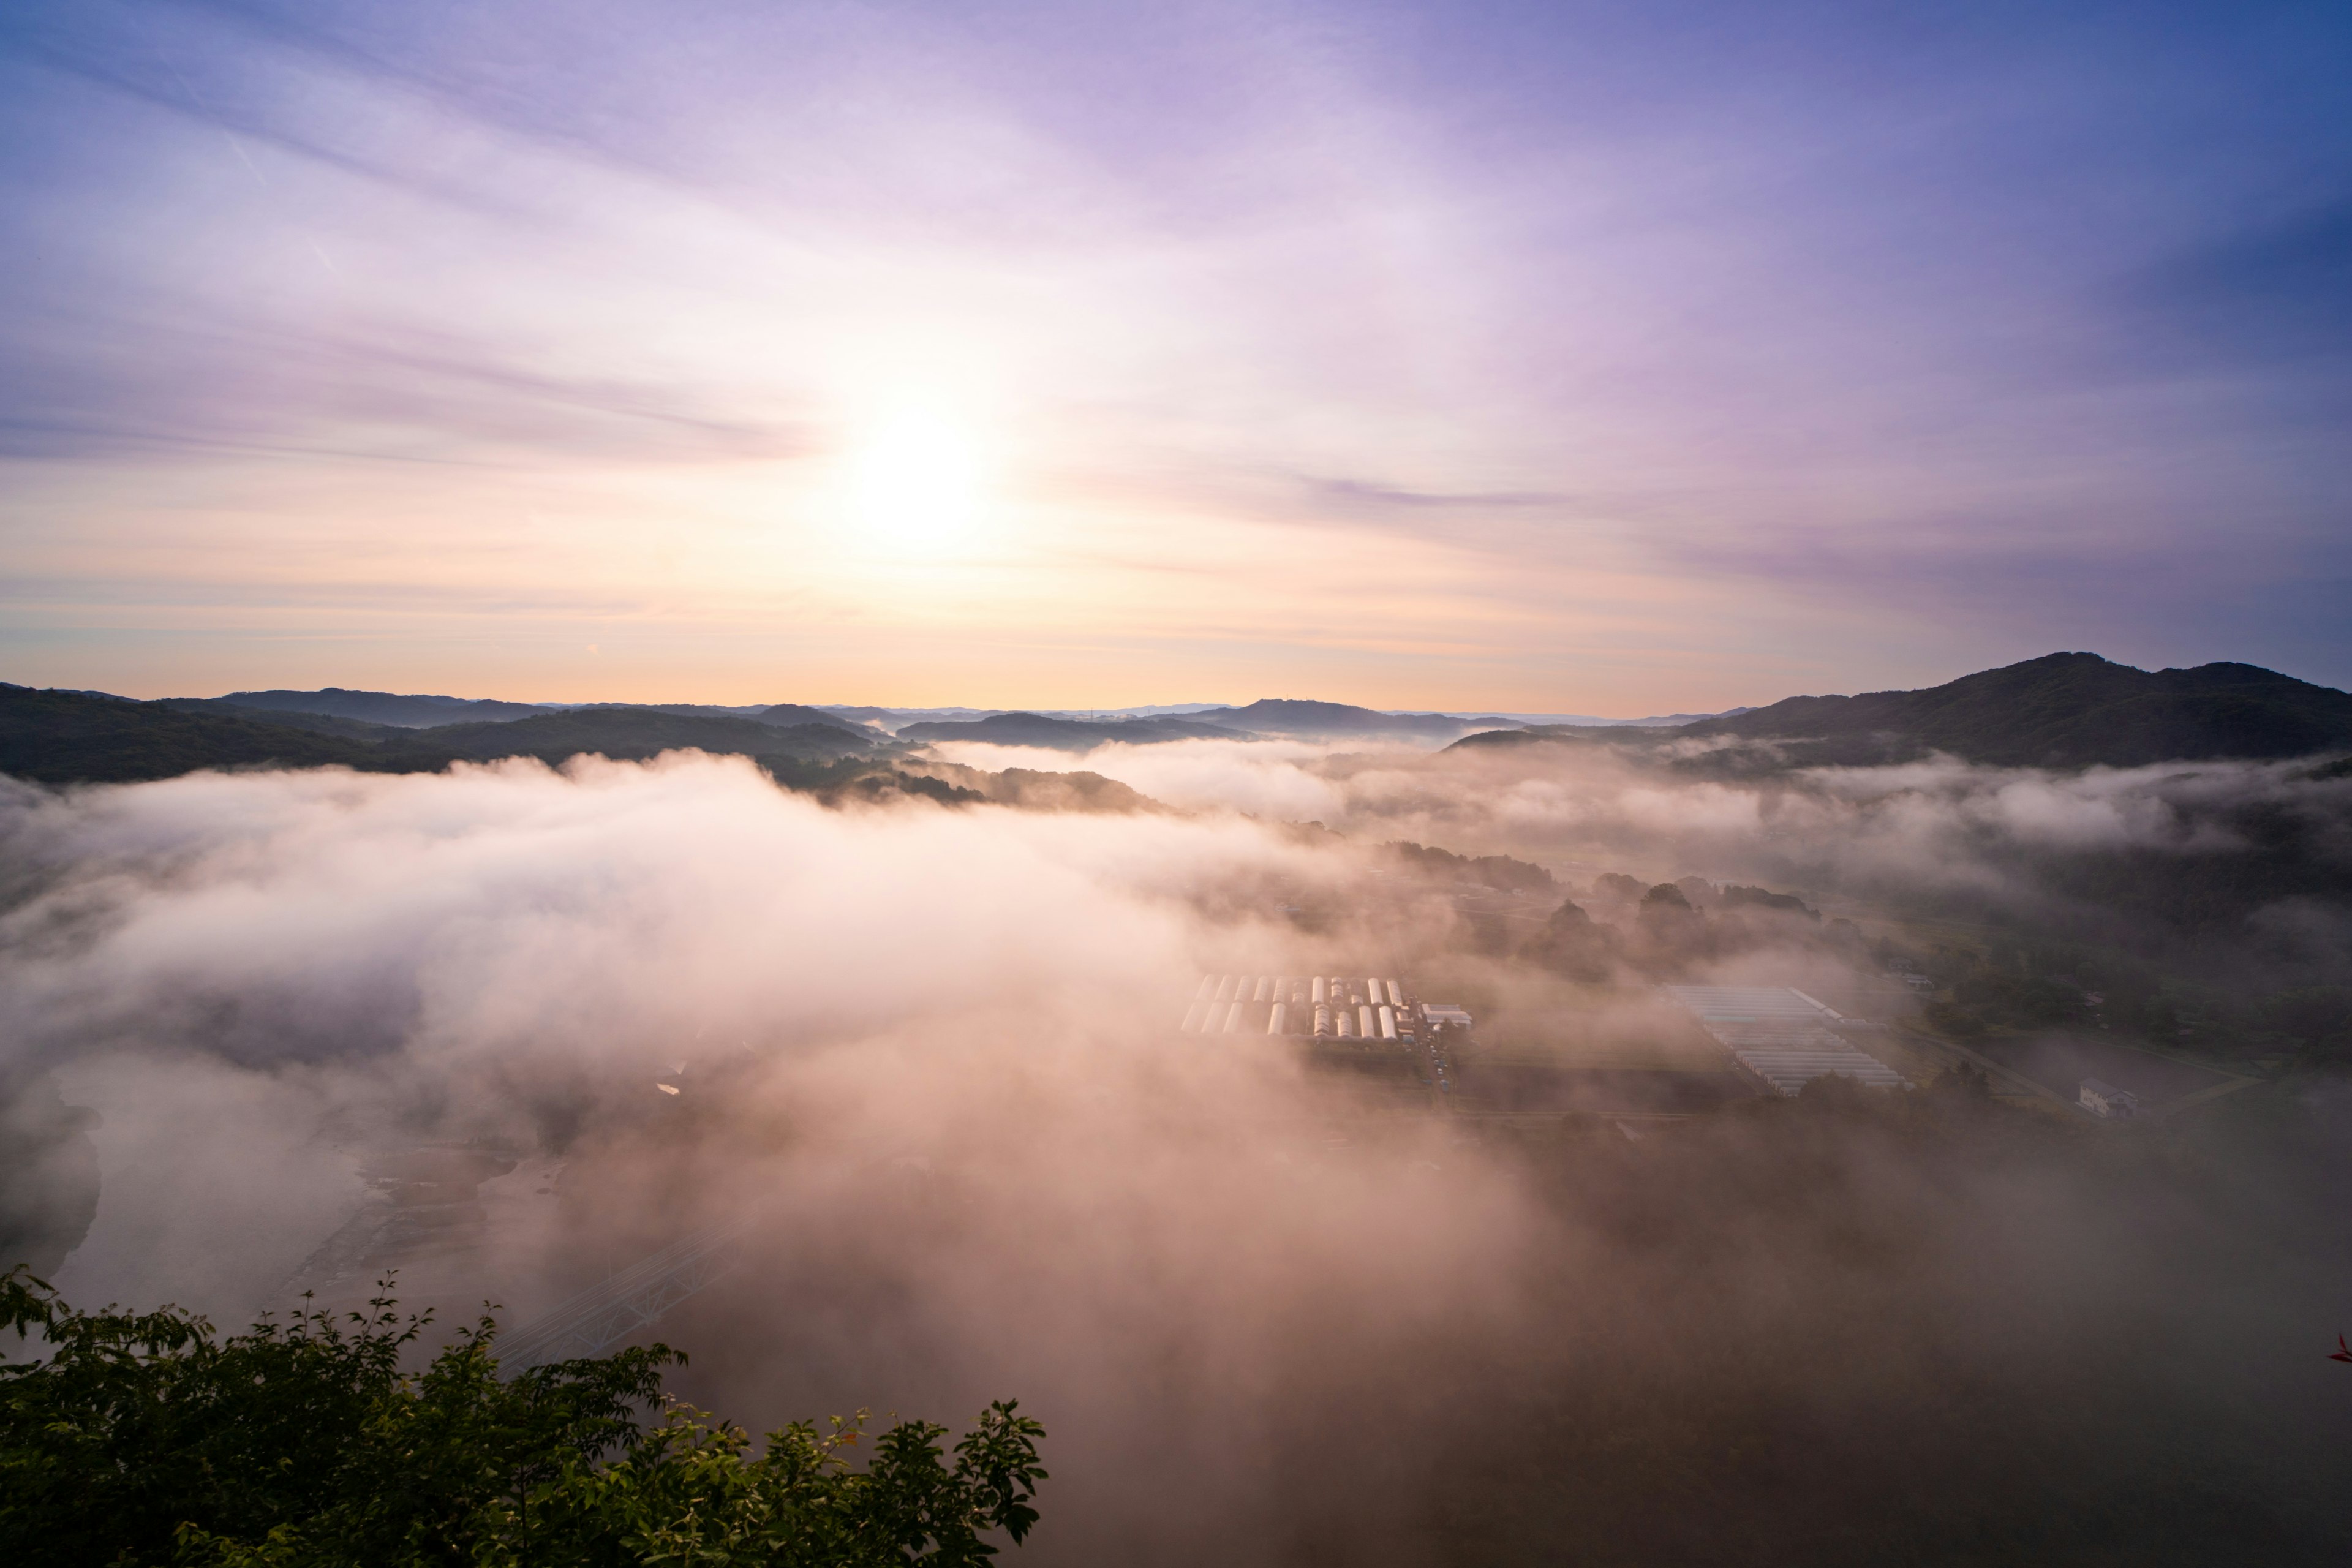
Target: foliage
x=1616 y=886
x=1945 y=1018
x=2018 y=1000
x=1498 y=872
x=141 y=1438
x=1738 y=896
x=1571 y=945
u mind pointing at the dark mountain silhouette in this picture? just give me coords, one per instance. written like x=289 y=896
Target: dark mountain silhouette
x=58 y=737
x=2068 y=710
x=783 y=715
x=2064 y=709
x=1067 y=734
x=65 y=737
x=409 y=712
x=797 y=713
x=317 y=723
x=628 y=734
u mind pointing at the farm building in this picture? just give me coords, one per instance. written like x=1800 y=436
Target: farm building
x=2105 y=1100
x=1781 y=1037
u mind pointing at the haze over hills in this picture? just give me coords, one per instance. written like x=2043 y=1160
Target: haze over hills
x=2066 y=709
x=1067 y=734
x=1594 y=721
x=783 y=714
x=1340 y=720
x=2062 y=710
x=422 y=711
x=359 y=714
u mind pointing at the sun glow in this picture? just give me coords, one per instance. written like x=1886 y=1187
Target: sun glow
x=914 y=482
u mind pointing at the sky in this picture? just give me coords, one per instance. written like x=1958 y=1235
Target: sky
x=1607 y=359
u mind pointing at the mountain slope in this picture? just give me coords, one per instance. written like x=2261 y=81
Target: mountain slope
x=62 y=737
x=628 y=734
x=1065 y=734
x=2061 y=710
x=1340 y=720
x=2066 y=710
x=287 y=718
x=410 y=712
x=788 y=713
x=59 y=737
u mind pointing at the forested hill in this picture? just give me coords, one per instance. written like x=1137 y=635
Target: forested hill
x=638 y=732
x=66 y=737
x=2070 y=709
x=409 y=712
x=63 y=737
x=2064 y=709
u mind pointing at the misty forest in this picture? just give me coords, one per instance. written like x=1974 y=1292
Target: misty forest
x=1301 y=1133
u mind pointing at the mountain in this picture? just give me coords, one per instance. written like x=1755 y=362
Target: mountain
x=629 y=734
x=57 y=737
x=412 y=712
x=1065 y=734
x=795 y=713
x=894 y=719
x=67 y=737
x=2067 y=710
x=317 y=723
x=422 y=712
x=1339 y=721
x=2064 y=709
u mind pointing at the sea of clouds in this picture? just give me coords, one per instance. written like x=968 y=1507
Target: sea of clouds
x=931 y=1050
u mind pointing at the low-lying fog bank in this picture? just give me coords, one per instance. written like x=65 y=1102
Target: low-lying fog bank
x=1268 y=1313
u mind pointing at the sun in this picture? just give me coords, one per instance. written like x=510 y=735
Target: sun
x=915 y=481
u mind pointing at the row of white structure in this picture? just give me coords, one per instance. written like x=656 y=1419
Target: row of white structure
x=1782 y=1036
x=1339 y=1006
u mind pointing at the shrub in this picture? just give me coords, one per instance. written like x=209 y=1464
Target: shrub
x=137 y=1439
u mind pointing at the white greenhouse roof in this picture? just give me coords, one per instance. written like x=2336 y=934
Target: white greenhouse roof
x=1781 y=1034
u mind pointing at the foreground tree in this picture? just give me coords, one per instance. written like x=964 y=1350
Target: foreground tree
x=138 y=1438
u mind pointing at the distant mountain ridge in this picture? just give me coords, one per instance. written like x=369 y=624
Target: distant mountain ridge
x=420 y=711
x=2062 y=710
x=1306 y=719
x=1067 y=734
x=58 y=737
x=1290 y=717
x=414 y=711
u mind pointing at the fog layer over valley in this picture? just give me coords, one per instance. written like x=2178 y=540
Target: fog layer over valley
x=1269 y=1312
x=2246 y=858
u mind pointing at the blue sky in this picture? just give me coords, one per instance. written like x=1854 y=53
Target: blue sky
x=1587 y=358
